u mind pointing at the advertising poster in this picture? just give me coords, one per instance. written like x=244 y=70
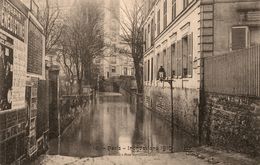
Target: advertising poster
x=6 y=77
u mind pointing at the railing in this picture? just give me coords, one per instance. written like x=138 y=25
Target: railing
x=234 y=73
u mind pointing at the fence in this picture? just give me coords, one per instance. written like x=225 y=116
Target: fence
x=234 y=73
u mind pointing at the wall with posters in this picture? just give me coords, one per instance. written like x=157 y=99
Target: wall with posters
x=12 y=19
x=35 y=49
x=13 y=57
x=6 y=72
x=19 y=74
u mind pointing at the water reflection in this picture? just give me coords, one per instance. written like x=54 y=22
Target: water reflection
x=111 y=127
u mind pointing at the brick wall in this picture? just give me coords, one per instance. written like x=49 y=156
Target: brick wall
x=185 y=106
x=232 y=122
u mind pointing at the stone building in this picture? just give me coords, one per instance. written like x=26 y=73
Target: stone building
x=116 y=60
x=178 y=35
x=171 y=36
x=22 y=76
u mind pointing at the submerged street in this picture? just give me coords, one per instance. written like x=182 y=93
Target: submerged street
x=111 y=126
x=111 y=131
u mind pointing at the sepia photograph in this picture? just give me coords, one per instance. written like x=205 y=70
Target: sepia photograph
x=129 y=82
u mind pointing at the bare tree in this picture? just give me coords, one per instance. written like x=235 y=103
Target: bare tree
x=131 y=25
x=51 y=20
x=82 y=38
x=66 y=62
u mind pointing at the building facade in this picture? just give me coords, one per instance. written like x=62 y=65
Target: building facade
x=116 y=60
x=178 y=35
x=22 y=69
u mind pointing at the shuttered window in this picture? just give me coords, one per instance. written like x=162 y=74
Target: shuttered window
x=157 y=65
x=182 y=57
x=185 y=56
x=168 y=72
x=152 y=70
x=185 y=3
x=145 y=39
x=239 y=38
x=152 y=32
x=174 y=60
x=190 y=54
x=173 y=9
x=165 y=14
x=179 y=59
x=144 y=69
x=164 y=59
x=158 y=22
x=148 y=71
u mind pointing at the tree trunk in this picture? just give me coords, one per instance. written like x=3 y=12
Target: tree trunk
x=139 y=77
x=80 y=87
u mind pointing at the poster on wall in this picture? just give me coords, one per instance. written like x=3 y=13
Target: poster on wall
x=6 y=77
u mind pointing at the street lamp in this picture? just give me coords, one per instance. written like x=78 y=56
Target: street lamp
x=162 y=78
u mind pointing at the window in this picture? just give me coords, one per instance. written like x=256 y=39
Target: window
x=157 y=65
x=148 y=68
x=125 y=71
x=145 y=71
x=185 y=56
x=185 y=3
x=152 y=32
x=240 y=37
x=98 y=61
x=113 y=69
x=158 y=22
x=173 y=60
x=148 y=39
x=165 y=14
x=132 y=71
x=152 y=69
x=173 y=9
x=113 y=60
x=164 y=60
x=168 y=62
x=145 y=42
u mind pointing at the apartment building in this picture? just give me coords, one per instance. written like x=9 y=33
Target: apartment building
x=178 y=34
x=116 y=60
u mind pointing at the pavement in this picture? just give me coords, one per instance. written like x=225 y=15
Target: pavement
x=196 y=156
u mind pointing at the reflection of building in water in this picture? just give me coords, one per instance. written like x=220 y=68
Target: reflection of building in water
x=118 y=124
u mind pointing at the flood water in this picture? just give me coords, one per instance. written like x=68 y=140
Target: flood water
x=111 y=126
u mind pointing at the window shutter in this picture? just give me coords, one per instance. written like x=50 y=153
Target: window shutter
x=145 y=71
x=174 y=60
x=148 y=71
x=164 y=58
x=158 y=64
x=239 y=38
x=190 y=54
x=152 y=69
x=169 y=61
x=179 y=58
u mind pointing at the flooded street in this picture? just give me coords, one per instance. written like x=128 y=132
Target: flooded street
x=112 y=127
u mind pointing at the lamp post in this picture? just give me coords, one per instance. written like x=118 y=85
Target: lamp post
x=162 y=78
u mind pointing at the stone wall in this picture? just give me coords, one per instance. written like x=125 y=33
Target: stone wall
x=232 y=122
x=185 y=106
